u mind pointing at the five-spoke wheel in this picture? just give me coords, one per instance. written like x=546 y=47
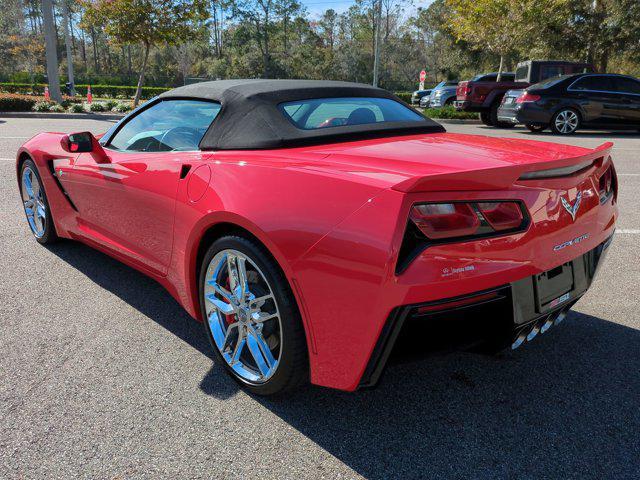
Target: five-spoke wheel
x=251 y=317
x=36 y=206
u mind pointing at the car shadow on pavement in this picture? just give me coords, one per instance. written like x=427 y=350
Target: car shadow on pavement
x=564 y=406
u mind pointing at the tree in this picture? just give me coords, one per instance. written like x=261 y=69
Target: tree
x=502 y=27
x=260 y=19
x=50 y=40
x=147 y=22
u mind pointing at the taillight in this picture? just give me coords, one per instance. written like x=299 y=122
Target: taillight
x=438 y=221
x=444 y=220
x=607 y=184
x=527 y=97
x=502 y=215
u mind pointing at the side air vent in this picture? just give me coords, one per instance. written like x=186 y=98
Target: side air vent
x=184 y=171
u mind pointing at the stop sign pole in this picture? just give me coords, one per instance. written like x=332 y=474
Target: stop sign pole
x=423 y=76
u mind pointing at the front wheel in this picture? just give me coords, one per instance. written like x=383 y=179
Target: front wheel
x=251 y=317
x=565 y=121
x=35 y=204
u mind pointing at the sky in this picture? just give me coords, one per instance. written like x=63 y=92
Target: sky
x=317 y=7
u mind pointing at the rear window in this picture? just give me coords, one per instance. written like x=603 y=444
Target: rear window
x=522 y=73
x=548 y=83
x=319 y=113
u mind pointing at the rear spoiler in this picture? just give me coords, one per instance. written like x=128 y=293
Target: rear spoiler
x=500 y=178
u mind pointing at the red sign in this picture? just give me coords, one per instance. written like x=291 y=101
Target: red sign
x=423 y=75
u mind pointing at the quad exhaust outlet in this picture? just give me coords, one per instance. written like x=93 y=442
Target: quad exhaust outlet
x=530 y=331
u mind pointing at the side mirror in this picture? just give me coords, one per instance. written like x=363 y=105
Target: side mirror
x=84 y=142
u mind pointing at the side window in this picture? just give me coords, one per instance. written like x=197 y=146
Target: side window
x=626 y=85
x=594 y=82
x=507 y=77
x=167 y=126
x=549 y=71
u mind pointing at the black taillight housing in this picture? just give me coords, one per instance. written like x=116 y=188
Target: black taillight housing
x=608 y=184
x=433 y=223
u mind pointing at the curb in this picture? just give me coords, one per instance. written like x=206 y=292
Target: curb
x=455 y=121
x=71 y=116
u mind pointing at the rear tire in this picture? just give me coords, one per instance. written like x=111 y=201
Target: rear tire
x=536 y=128
x=485 y=118
x=565 y=121
x=266 y=357
x=35 y=204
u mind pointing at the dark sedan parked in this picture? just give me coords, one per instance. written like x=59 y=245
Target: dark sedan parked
x=570 y=102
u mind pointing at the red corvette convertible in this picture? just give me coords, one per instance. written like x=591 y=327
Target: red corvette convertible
x=308 y=223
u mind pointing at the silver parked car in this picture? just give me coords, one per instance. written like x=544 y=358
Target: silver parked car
x=443 y=94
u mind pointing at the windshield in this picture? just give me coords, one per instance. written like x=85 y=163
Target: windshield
x=337 y=112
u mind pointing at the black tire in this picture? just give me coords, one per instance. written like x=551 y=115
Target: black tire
x=569 y=113
x=293 y=365
x=536 y=128
x=485 y=118
x=49 y=236
x=449 y=102
x=493 y=116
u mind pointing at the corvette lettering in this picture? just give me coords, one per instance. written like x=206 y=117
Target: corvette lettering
x=570 y=243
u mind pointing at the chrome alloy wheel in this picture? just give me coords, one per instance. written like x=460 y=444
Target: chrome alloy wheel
x=566 y=121
x=33 y=201
x=243 y=316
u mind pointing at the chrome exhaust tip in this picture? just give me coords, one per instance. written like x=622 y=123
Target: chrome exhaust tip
x=519 y=341
x=560 y=318
x=533 y=333
x=547 y=324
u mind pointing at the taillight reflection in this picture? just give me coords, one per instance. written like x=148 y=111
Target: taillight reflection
x=502 y=215
x=444 y=220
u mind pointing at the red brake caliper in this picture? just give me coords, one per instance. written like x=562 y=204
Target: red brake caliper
x=231 y=318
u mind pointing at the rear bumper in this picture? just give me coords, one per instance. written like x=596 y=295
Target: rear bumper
x=532 y=114
x=525 y=310
x=508 y=114
x=468 y=106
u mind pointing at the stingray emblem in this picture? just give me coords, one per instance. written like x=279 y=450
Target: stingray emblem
x=572 y=209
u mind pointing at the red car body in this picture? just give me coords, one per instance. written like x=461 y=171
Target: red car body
x=333 y=216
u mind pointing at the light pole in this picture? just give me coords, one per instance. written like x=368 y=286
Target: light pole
x=377 y=15
x=67 y=41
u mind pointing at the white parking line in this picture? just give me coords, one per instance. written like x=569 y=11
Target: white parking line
x=6 y=158
x=629 y=174
x=3 y=138
x=632 y=231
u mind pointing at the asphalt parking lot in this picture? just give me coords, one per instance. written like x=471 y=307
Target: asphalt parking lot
x=103 y=375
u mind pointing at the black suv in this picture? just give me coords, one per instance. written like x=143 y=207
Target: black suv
x=570 y=102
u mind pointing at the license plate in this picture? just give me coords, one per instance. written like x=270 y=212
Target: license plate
x=554 y=286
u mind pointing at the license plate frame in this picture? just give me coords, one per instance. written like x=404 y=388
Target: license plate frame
x=554 y=287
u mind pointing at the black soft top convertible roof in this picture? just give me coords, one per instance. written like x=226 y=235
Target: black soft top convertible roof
x=250 y=117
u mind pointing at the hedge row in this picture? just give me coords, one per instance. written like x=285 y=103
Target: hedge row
x=102 y=91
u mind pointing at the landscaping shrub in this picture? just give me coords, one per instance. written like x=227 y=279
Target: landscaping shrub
x=42 y=106
x=10 y=102
x=122 y=107
x=57 y=108
x=97 y=107
x=98 y=91
x=76 y=108
x=449 y=112
x=109 y=104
